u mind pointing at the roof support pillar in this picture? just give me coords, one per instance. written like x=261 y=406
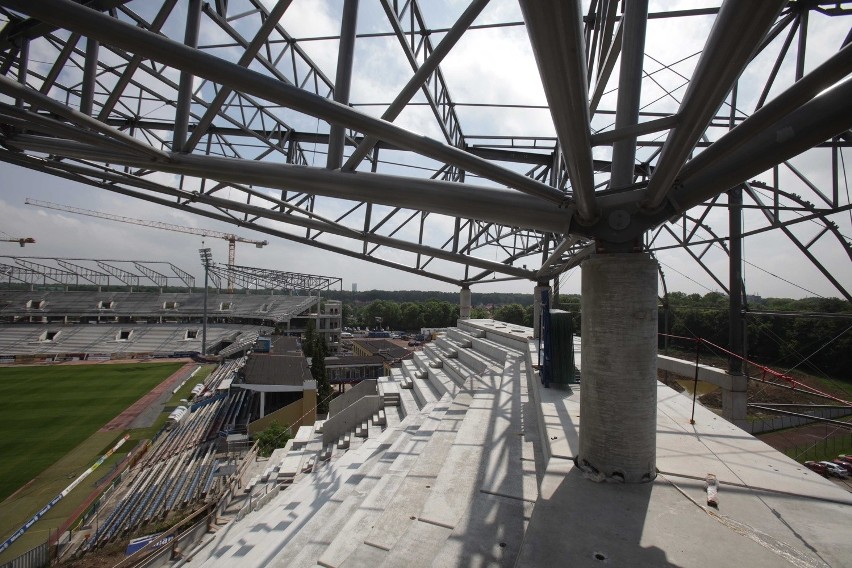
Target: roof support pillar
x=618 y=404
x=343 y=81
x=629 y=90
x=193 y=21
x=90 y=72
x=734 y=400
x=464 y=303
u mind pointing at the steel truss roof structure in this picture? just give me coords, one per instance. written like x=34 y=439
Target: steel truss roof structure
x=251 y=278
x=87 y=272
x=230 y=110
x=91 y=272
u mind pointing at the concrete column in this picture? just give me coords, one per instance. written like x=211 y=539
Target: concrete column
x=537 y=307
x=734 y=401
x=464 y=303
x=618 y=397
x=309 y=402
x=262 y=404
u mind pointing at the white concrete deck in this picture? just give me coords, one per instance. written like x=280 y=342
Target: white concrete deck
x=482 y=475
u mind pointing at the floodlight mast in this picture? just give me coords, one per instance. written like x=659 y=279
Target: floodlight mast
x=230 y=237
x=206 y=257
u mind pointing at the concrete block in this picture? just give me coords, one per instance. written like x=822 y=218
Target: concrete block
x=490 y=533
x=418 y=546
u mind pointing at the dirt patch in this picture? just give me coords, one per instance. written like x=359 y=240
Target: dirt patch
x=144 y=412
x=106 y=557
x=800 y=437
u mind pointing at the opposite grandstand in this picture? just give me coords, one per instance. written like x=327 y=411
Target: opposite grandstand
x=64 y=310
x=52 y=308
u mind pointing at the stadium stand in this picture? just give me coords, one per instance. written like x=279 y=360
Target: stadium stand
x=77 y=323
x=178 y=471
x=17 y=305
x=38 y=340
x=473 y=468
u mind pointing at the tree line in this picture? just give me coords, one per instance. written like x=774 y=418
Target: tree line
x=413 y=316
x=784 y=342
x=805 y=337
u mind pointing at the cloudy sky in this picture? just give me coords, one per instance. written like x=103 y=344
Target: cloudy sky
x=487 y=66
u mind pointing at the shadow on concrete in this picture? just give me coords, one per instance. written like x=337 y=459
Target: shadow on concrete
x=583 y=523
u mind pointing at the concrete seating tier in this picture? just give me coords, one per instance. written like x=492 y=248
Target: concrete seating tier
x=176 y=472
x=115 y=339
x=464 y=480
x=13 y=303
x=416 y=492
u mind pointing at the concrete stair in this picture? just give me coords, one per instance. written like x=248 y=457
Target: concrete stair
x=344 y=486
x=343 y=442
x=414 y=493
x=303 y=435
x=389 y=391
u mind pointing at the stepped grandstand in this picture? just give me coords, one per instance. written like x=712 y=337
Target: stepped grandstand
x=84 y=308
x=179 y=472
x=459 y=457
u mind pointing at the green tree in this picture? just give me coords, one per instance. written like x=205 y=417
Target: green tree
x=479 y=313
x=511 y=313
x=324 y=389
x=269 y=440
x=309 y=339
x=412 y=316
x=382 y=313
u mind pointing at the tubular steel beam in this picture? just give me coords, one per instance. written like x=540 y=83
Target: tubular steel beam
x=131 y=38
x=202 y=164
x=130 y=69
x=555 y=29
x=812 y=123
x=408 y=24
x=823 y=77
x=733 y=38
x=184 y=100
x=343 y=80
x=90 y=73
x=203 y=125
x=629 y=90
x=419 y=78
x=23 y=67
x=39 y=100
x=607 y=65
x=59 y=64
x=448 y=198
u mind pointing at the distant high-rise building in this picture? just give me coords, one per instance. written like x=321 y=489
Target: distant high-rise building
x=354 y=286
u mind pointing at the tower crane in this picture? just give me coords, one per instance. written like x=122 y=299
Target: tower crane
x=231 y=238
x=22 y=240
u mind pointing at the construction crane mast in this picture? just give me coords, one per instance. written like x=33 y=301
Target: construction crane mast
x=231 y=238
x=20 y=240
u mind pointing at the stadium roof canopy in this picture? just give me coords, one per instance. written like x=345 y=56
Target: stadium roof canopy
x=462 y=142
x=75 y=272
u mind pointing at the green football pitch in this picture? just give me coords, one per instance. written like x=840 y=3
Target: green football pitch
x=47 y=411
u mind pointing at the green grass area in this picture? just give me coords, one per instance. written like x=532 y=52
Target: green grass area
x=826 y=449
x=45 y=411
x=50 y=417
